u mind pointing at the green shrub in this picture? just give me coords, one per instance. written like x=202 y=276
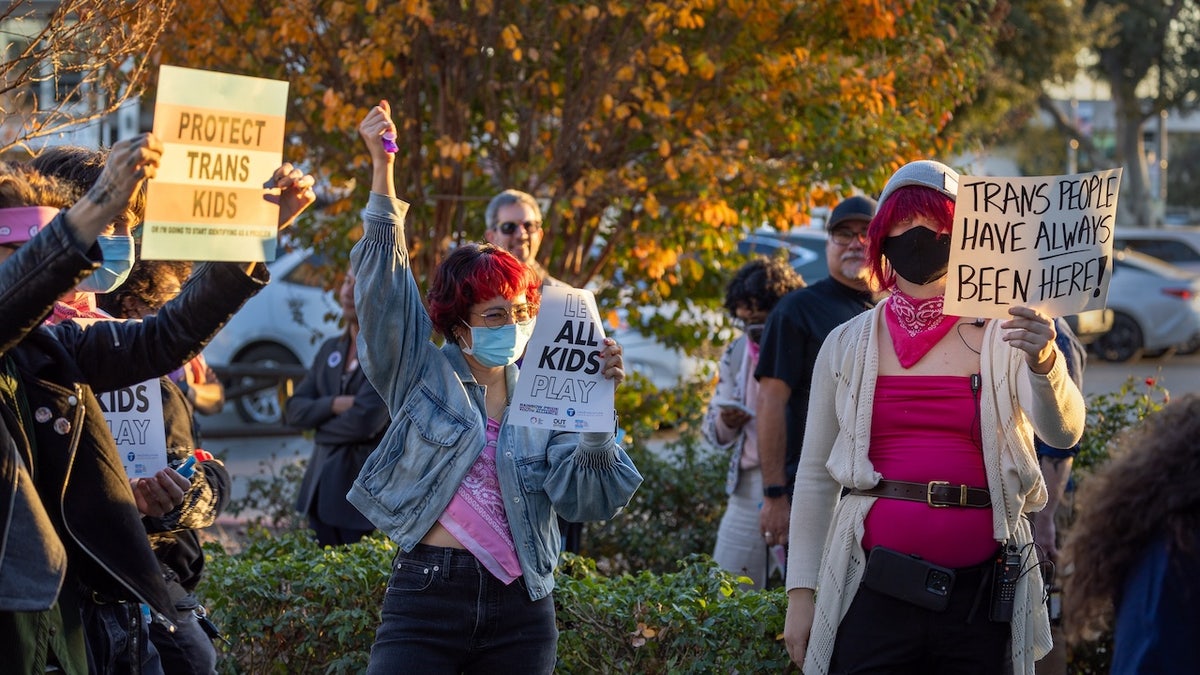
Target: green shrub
x=694 y=620
x=288 y=606
x=270 y=499
x=673 y=514
x=654 y=606
x=1108 y=414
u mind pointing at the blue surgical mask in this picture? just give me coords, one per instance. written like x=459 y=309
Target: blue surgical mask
x=118 y=260
x=495 y=347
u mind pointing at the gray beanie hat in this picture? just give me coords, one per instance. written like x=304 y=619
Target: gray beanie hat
x=851 y=208
x=926 y=173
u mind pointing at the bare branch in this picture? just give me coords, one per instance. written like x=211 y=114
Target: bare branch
x=73 y=63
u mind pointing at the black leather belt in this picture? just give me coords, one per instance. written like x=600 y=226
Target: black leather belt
x=936 y=493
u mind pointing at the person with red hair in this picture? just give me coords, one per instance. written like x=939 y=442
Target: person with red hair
x=918 y=467
x=470 y=500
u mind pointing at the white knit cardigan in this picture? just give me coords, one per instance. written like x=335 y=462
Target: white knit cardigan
x=826 y=532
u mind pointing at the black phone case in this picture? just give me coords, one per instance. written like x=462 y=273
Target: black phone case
x=910 y=579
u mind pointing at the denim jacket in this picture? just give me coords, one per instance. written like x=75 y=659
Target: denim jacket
x=438 y=423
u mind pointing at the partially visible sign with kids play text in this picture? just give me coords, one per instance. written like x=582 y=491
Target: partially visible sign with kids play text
x=1043 y=242
x=561 y=384
x=134 y=415
x=222 y=140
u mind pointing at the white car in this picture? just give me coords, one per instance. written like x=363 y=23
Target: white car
x=1179 y=246
x=283 y=325
x=1156 y=307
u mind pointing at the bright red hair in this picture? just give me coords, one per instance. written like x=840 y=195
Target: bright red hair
x=475 y=273
x=902 y=206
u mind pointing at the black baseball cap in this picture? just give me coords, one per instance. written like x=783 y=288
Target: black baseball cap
x=857 y=207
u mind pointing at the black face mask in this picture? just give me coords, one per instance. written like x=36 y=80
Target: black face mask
x=920 y=255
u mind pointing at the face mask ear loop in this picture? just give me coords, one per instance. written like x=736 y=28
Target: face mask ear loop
x=462 y=341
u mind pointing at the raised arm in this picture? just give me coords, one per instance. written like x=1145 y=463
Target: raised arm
x=395 y=327
x=51 y=264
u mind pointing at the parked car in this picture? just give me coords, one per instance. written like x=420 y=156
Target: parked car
x=1156 y=307
x=283 y=325
x=805 y=246
x=1179 y=246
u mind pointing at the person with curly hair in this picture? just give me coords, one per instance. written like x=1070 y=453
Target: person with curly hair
x=730 y=425
x=1134 y=551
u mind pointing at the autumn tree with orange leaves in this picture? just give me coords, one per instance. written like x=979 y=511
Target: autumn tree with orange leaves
x=654 y=132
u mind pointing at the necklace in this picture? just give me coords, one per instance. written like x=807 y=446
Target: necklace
x=915 y=325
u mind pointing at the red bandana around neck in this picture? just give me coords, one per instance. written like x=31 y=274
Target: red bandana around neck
x=915 y=325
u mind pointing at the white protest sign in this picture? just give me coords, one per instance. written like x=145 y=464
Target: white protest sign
x=135 y=417
x=1043 y=242
x=222 y=137
x=561 y=386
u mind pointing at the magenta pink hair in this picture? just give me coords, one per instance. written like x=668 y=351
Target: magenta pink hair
x=902 y=206
x=475 y=273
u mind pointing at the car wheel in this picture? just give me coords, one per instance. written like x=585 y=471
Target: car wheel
x=262 y=406
x=1123 y=342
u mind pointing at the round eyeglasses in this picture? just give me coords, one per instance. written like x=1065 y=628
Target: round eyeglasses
x=497 y=317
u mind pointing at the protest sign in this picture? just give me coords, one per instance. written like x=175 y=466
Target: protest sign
x=561 y=386
x=135 y=417
x=1043 y=242
x=222 y=139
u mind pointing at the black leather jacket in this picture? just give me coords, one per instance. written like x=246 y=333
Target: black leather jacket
x=32 y=559
x=77 y=470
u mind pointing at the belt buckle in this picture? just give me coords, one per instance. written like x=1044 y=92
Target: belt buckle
x=929 y=493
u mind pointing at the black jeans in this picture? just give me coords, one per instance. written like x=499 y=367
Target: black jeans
x=881 y=634
x=188 y=650
x=445 y=613
x=118 y=638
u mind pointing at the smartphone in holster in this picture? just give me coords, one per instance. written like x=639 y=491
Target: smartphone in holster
x=909 y=578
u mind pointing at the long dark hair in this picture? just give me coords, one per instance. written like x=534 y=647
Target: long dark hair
x=1149 y=488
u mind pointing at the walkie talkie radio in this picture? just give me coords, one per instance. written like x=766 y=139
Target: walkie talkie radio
x=1004 y=584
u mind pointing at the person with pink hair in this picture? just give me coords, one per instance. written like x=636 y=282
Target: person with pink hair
x=918 y=467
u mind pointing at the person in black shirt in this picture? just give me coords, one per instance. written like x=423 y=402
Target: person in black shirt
x=794 y=332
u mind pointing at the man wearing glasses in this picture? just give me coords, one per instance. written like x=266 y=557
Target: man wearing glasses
x=514 y=223
x=793 y=335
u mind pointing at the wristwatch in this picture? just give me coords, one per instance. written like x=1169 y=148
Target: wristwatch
x=774 y=491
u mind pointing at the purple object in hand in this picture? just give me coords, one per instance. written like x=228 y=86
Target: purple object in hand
x=389 y=142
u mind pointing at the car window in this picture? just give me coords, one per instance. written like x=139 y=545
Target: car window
x=309 y=273
x=765 y=247
x=1163 y=249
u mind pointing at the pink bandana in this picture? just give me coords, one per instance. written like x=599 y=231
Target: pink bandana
x=82 y=306
x=915 y=325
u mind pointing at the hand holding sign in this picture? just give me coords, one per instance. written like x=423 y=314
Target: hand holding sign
x=295 y=193
x=614 y=362
x=1033 y=333
x=130 y=162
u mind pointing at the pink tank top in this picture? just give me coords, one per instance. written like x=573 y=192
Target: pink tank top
x=925 y=428
x=476 y=514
